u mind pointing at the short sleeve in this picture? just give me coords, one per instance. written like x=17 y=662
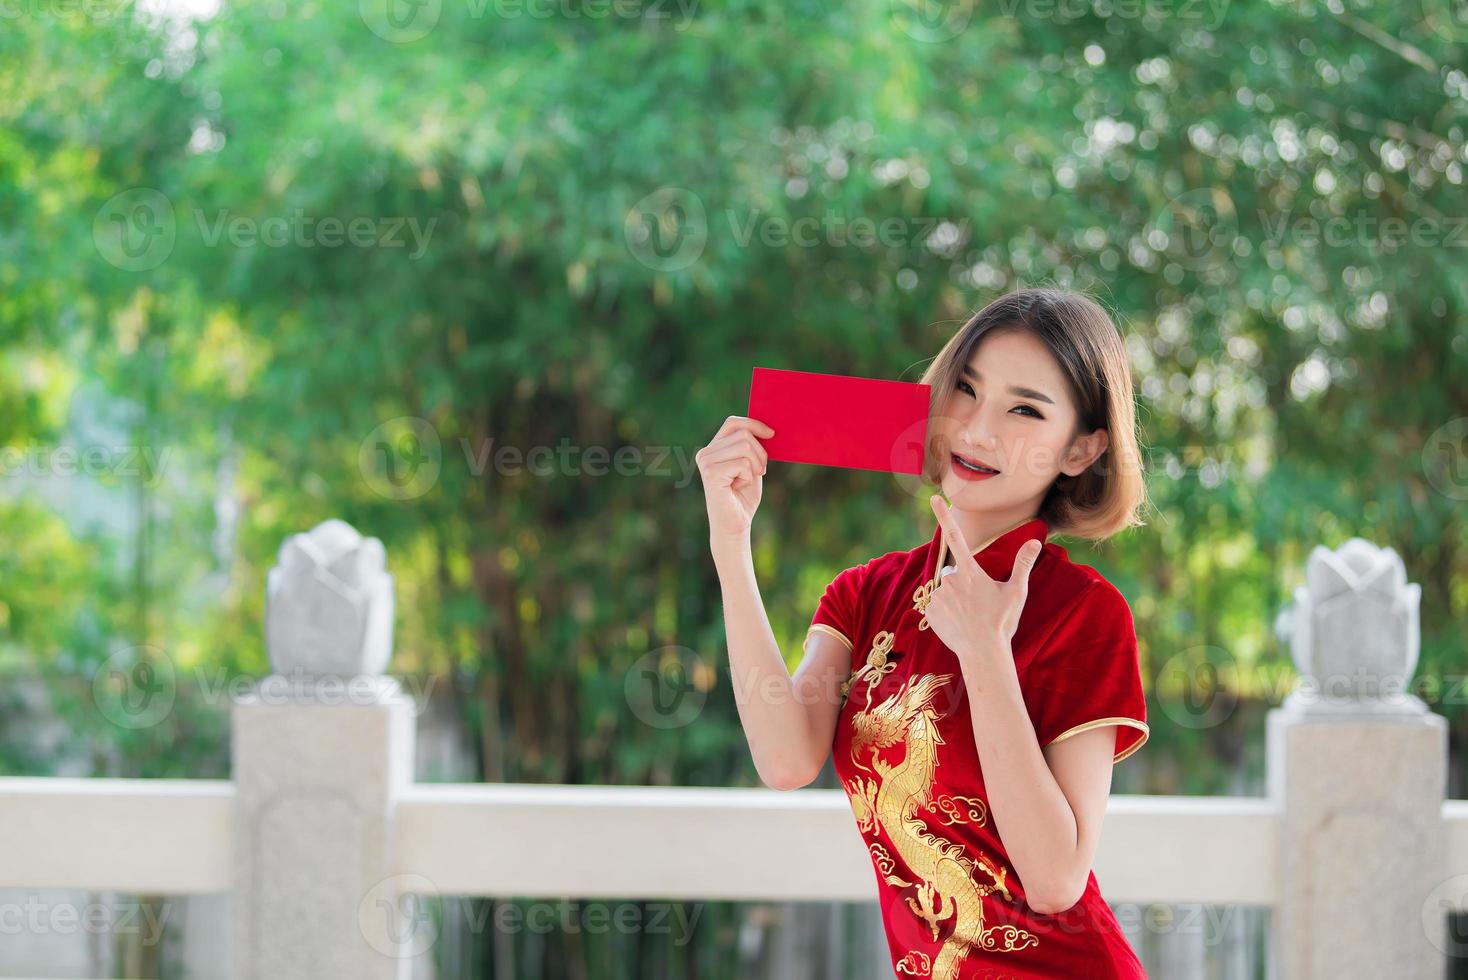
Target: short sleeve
x=838 y=610
x=1089 y=674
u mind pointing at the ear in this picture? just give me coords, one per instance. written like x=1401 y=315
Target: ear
x=1084 y=451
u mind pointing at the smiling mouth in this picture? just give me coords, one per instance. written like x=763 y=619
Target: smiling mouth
x=972 y=467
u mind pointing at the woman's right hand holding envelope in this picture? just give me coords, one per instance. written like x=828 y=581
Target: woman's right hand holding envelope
x=732 y=467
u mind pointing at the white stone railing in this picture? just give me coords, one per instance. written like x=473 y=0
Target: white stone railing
x=321 y=832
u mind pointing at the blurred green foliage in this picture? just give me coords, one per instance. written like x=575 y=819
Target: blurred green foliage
x=1294 y=385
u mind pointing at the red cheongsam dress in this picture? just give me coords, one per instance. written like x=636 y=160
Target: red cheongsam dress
x=952 y=904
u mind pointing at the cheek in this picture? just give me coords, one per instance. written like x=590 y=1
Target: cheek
x=1035 y=456
x=948 y=417
x=943 y=428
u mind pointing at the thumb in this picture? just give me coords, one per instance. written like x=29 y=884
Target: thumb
x=1024 y=562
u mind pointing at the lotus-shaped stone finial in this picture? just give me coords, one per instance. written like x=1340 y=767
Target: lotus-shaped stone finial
x=1354 y=631
x=329 y=604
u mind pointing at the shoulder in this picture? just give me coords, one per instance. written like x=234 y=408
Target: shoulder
x=1073 y=581
x=1104 y=605
x=1085 y=605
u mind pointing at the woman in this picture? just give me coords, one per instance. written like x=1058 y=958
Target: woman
x=975 y=703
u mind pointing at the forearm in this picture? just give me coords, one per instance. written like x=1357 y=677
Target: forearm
x=1031 y=813
x=776 y=724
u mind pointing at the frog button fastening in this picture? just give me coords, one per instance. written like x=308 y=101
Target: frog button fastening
x=921 y=598
x=876 y=667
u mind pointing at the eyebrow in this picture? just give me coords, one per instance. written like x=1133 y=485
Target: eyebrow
x=1038 y=396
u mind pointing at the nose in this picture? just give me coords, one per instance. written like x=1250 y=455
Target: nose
x=978 y=434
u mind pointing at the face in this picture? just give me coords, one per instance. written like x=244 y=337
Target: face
x=1011 y=410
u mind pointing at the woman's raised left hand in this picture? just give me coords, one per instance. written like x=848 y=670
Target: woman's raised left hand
x=968 y=608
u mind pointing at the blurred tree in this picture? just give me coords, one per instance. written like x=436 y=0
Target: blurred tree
x=348 y=255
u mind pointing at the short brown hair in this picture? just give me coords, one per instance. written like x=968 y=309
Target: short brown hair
x=1107 y=497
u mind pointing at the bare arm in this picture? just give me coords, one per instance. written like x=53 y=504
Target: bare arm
x=788 y=721
x=1048 y=803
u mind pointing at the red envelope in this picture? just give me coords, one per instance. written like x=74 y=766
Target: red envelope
x=834 y=420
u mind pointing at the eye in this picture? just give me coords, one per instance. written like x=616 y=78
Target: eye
x=965 y=386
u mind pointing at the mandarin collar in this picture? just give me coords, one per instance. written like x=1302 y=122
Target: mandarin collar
x=996 y=556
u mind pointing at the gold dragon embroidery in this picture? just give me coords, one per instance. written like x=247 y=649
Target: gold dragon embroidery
x=948 y=885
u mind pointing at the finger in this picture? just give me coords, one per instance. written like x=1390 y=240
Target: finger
x=735 y=474
x=737 y=434
x=734 y=454
x=741 y=444
x=717 y=474
x=759 y=428
x=756 y=447
x=1024 y=563
x=741 y=423
x=962 y=556
x=746 y=471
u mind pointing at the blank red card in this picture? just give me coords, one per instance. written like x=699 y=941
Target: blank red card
x=835 y=420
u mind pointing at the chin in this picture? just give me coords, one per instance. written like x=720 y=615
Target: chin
x=954 y=488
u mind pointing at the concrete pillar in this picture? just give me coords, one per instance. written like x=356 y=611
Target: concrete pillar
x=1358 y=767
x=322 y=749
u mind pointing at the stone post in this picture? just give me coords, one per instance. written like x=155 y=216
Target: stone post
x=322 y=748
x=1358 y=767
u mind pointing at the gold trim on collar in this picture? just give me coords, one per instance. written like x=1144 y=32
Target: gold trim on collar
x=943 y=546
